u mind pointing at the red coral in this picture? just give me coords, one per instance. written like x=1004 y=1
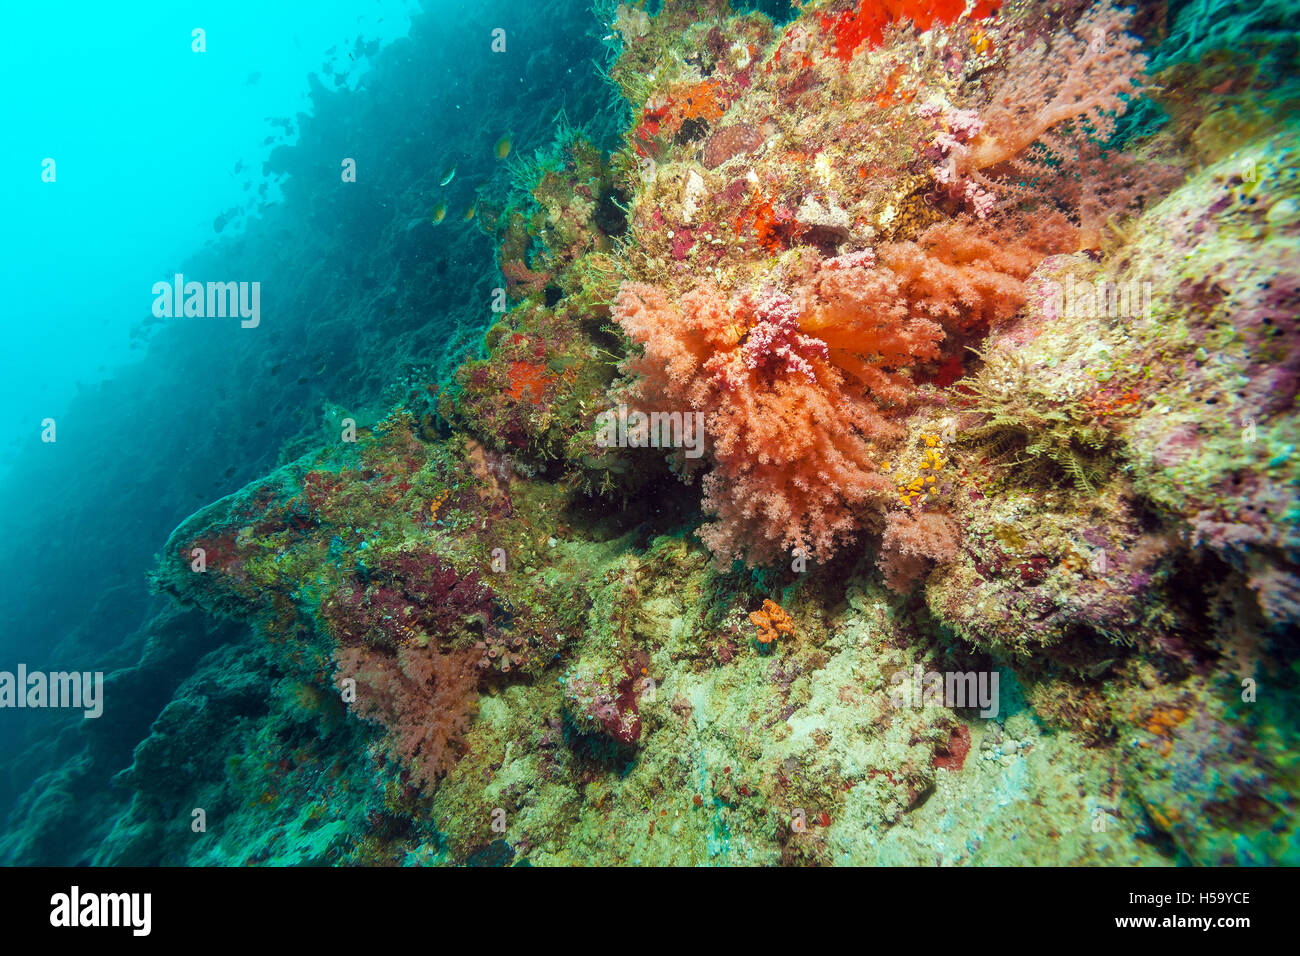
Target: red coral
x=221 y=553
x=683 y=241
x=853 y=27
x=769 y=225
x=626 y=726
x=867 y=22
x=320 y=490
x=613 y=707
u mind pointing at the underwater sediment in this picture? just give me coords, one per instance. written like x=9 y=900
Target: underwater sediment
x=986 y=317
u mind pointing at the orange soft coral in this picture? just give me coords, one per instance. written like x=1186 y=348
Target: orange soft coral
x=795 y=389
x=771 y=621
x=972 y=276
x=801 y=389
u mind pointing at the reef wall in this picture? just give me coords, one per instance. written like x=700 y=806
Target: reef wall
x=988 y=313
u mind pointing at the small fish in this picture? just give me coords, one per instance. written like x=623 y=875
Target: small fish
x=503 y=147
x=439 y=213
x=470 y=213
x=448 y=176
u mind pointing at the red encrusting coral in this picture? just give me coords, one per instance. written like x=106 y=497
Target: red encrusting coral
x=610 y=706
x=953 y=755
x=867 y=22
x=528 y=381
x=665 y=115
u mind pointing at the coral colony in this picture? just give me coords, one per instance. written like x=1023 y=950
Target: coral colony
x=884 y=455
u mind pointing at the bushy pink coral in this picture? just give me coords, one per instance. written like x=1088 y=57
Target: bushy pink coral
x=423 y=698
x=950 y=146
x=912 y=544
x=775 y=342
x=1083 y=74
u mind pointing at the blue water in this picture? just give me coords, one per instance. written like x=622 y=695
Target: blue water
x=225 y=165
x=147 y=136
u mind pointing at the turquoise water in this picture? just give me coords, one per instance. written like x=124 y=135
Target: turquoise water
x=225 y=165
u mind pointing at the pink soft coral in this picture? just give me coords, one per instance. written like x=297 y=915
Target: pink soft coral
x=422 y=697
x=912 y=544
x=1081 y=75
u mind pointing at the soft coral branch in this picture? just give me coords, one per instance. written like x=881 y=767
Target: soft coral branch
x=1083 y=74
x=423 y=698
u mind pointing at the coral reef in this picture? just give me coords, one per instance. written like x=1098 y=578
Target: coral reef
x=994 y=549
